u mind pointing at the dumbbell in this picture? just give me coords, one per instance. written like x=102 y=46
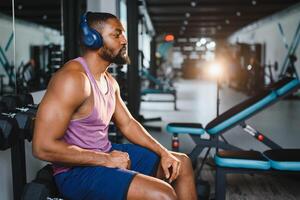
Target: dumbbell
x=15 y=101
x=8 y=131
x=23 y=109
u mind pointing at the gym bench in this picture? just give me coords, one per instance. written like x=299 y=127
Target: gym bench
x=234 y=159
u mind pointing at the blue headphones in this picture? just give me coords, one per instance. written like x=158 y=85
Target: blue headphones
x=91 y=38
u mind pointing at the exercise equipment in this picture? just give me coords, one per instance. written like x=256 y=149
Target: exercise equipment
x=160 y=87
x=8 y=132
x=236 y=116
x=16 y=124
x=288 y=67
x=91 y=38
x=10 y=138
x=246 y=70
x=36 y=73
x=8 y=68
x=286 y=161
x=42 y=187
x=23 y=110
x=269 y=75
x=10 y=39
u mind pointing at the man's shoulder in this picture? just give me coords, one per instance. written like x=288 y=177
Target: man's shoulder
x=71 y=71
x=72 y=65
x=71 y=77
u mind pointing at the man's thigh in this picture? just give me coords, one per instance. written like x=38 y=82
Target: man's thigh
x=95 y=183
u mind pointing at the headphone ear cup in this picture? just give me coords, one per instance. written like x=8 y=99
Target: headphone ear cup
x=91 y=37
x=97 y=39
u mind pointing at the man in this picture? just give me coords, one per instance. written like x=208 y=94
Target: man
x=72 y=123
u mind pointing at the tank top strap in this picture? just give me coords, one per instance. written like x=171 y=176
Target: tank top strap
x=87 y=71
x=110 y=84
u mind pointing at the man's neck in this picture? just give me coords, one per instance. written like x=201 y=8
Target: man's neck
x=96 y=65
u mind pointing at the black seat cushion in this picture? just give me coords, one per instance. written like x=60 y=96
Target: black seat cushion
x=242 y=155
x=186 y=125
x=283 y=155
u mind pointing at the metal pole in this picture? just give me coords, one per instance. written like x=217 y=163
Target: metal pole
x=133 y=79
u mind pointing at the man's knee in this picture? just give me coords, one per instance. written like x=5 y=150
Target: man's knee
x=166 y=193
x=186 y=164
x=185 y=160
x=152 y=189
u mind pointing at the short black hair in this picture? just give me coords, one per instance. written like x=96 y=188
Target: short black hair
x=96 y=19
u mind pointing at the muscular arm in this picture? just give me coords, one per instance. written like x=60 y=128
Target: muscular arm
x=136 y=134
x=131 y=128
x=66 y=92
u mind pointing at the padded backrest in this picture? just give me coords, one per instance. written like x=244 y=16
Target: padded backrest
x=240 y=112
x=252 y=105
x=284 y=86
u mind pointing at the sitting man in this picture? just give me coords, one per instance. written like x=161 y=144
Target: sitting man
x=71 y=129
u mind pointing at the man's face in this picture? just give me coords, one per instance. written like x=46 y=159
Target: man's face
x=114 y=48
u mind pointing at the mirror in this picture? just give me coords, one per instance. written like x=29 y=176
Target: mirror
x=7 y=74
x=39 y=43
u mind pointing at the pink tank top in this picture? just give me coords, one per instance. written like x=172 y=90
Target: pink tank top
x=91 y=132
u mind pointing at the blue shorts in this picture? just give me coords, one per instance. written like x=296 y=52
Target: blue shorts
x=104 y=183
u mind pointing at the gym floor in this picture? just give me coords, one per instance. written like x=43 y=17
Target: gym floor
x=197 y=103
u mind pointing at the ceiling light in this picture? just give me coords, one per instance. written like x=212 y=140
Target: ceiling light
x=238 y=13
x=185 y=22
x=227 y=21
x=20 y=7
x=254 y=2
x=219 y=27
x=202 y=41
x=169 y=37
x=45 y=17
x=211 y=45
x=187 y=15
x=215 y=70
x=193 y=3
x=183 y=28
x=198 y=44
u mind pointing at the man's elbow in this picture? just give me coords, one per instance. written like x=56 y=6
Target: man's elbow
x=39 y=150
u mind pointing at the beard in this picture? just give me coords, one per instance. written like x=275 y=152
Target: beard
x=120 y=59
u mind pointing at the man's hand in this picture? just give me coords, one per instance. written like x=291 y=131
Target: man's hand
x=170 y=163
x=118 y=159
